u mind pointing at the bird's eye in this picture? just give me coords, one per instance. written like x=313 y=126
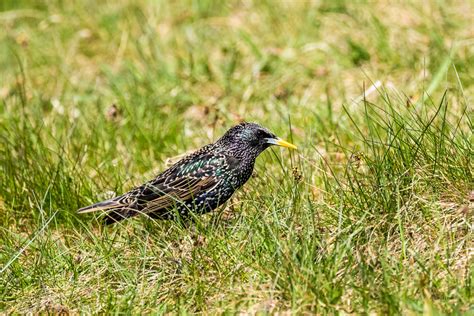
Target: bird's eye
x=262 y=134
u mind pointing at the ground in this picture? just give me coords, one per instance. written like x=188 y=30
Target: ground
x=373 y=213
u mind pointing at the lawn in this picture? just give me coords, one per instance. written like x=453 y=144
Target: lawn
x=373 y=214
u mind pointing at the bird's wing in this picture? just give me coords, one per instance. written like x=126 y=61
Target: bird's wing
x=183 y=181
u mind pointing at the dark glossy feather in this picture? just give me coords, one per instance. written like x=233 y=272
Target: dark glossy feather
x=186 y=181
x=198 y=183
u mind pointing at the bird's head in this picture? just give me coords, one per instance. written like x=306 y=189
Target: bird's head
x=250 y=139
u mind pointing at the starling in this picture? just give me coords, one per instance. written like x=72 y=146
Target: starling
x=199 y=182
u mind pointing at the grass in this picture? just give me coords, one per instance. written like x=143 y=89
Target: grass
x=372 y=214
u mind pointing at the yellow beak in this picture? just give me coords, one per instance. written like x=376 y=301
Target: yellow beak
x=281 y=142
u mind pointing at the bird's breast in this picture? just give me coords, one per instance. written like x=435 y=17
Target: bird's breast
x=241 y=174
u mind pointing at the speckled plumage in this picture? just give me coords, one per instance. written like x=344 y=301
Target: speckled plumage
x=198 y=183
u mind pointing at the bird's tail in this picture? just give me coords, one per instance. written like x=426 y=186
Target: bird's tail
x=115 y=210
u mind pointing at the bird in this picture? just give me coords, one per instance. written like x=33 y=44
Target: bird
x=198 y=183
